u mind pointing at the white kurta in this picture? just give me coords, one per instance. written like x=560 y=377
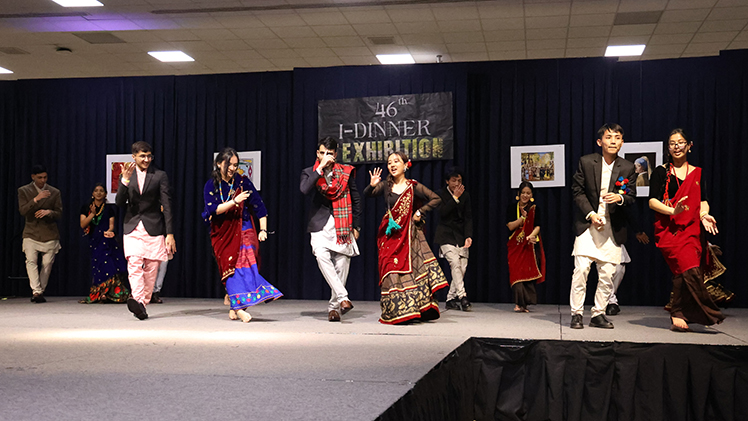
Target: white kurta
x=598 y=244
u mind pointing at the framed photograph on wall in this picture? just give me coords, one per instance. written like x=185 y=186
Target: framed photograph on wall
x=250 y=165
x=541 y=165
x=113 y=169
x=646 y=156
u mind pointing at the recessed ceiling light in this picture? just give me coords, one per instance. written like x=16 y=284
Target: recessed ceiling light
x=78 y=3
x=3 y=70
x=395 y=58
x=170 y=56
x=624 y=50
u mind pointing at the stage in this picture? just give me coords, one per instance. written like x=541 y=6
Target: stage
x=68 y=361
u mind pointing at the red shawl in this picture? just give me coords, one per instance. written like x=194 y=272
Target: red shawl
x=337 y=192
x=226 y=238
x=679 y=236
x=523 y=262
x=394 y=250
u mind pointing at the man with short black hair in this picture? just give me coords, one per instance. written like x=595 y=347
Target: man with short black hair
x=334 y=221
x=41 y=206
x=144 y=192
x=454 y=235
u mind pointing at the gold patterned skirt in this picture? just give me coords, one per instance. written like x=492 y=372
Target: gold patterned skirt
x=410 y=296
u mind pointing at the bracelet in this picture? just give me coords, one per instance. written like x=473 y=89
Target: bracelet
x=234 y=200
x=265 y=231
x=702 y=215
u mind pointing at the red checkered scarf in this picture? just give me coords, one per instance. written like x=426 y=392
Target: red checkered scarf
x=337 y=193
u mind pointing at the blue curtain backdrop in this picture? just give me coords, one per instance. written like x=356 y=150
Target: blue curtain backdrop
x=70 y=125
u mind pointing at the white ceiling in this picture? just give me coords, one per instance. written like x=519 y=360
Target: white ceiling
x=267 y=35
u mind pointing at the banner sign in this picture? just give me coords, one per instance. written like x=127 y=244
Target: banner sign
x=369 y=129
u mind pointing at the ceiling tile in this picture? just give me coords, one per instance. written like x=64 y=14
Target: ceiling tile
x=197 y=23
x=359 y=60
x=272 y=43
x=344 y=41
x=136 y=36
x=728 y=13
x=232 y=22
x=352 y=51
x=254 y=33
x=547 y=22
x=714 y=37
x=706 y=47
x=459 y=37
x=311 y=42
x=641 y=5
x=503 y=35
x=590 y=31
x=466 y=57
x=280 y=19
x=410 y=39
x=546 y=44
x=334 y=30
x=665 y=49
x=417 y=27
x=601 y=42
x=691 y=4
x=468 y=47
x=738 y=45
x=506 y=46
x=546 y=33
x=723 y=25
x=677 y=28
x=507 y=55
x=230 y=44
x=507 y=9
x=660 y=39
x=371 y=16
x=294 y=32
x=368 y=29
x=594 y=7
x=689 y=15
x=540 y=54
x=548 y=9
x=428 y=49
x=585 y=52
x=407 y=14
x=592 y=20
x=462 y=12
x=214 y=34
x=242 y=54
x=459 y=25
x=156 y=24
x=628 y=30
x=289 y=63
x=271 y=53
x=323 y=18
x=629 y=40
x=389 y=49
x=500 y=24
x=324 y=61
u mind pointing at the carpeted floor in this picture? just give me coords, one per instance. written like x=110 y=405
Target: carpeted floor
x=67 y=361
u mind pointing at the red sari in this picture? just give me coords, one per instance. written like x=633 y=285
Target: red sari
x=408 y=271
x=521 y=254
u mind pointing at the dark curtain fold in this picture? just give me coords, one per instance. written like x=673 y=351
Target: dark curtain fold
x=503 y=379
x=70 y=125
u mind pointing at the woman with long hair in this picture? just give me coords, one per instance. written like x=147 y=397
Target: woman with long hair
x=678 y=195
x=524 y=249
x=408 y=271
x=231 y=204
x=108 y=264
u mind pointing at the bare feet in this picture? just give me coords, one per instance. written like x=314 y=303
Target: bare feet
x=232 y=315
x=226 y=301
x=679 y=325
x=244 y=316
x=517 y=309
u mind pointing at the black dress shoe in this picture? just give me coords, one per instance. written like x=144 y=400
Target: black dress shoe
x=453 y=304
x=137 y=309
x=465 y=304
x=576 y=321
x=155 y=299
x=612 y=310
x=38 y=298
x=601 y=322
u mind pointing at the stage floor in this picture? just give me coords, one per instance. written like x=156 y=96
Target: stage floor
x=71 y=361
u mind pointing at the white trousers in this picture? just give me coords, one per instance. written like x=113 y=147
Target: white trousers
x=578 y=293
x=38 y=279
x=458 y=261
x=161 y=275
x=334 y=267
x=617 y=278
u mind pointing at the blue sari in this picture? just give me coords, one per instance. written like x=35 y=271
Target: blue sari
x=108 y=265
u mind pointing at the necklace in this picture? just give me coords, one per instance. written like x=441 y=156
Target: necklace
x=231 y=190
x=97 y=215
x=666 y=197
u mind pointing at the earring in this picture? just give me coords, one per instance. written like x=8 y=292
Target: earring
x=516 y=197
x=532 y=199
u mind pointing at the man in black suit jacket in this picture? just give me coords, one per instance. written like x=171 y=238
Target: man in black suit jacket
x=602 y=187
x=454 y=235
x=334 y=221
x=143 y=192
